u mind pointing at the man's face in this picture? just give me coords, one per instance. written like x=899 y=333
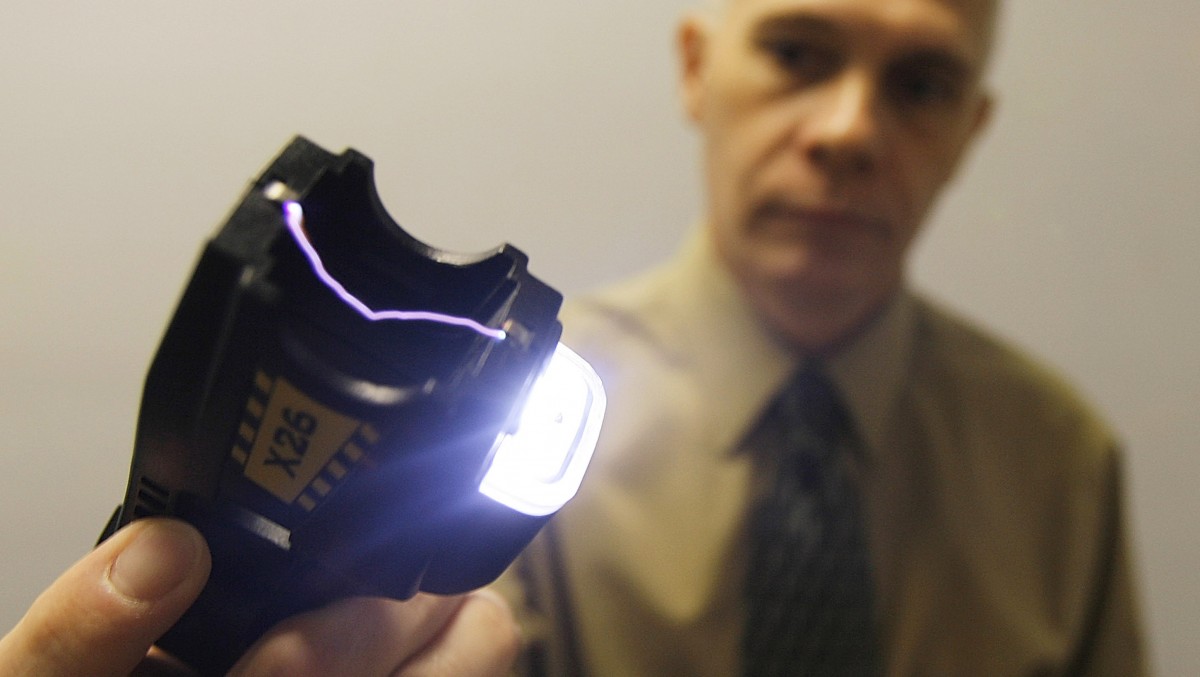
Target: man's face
x=829 y=128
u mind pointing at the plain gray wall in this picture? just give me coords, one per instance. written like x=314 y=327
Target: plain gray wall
x=131 y=127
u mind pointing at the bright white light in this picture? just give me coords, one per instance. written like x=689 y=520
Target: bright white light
x=537 y=469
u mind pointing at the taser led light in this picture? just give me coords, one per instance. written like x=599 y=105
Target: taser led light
x=342 y=410
x=539 y=468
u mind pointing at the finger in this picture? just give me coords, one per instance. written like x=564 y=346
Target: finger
x=357 y=636
x=159 y=663
x=482 y=639
x=101 y=616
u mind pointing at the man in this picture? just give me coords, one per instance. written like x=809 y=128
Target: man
x=101 y=617
x=990 y=495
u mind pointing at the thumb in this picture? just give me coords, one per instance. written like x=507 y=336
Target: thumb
x=102 y=615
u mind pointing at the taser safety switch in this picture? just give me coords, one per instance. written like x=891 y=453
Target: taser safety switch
x=343 y=410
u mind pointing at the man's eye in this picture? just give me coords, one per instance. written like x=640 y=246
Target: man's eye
x=921 y=87
x=800 y=58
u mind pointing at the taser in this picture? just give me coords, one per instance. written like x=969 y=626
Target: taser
x=343 y=410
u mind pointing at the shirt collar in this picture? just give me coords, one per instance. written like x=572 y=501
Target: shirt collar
x=714 y=332
x=870 y=371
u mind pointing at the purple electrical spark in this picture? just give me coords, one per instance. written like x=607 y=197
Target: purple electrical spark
x=294 y=217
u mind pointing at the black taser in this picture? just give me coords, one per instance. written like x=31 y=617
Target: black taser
x=343 y=410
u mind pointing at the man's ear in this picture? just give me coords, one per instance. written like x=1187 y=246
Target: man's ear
x=692 y=45
x=981 y=118
x=983 y=114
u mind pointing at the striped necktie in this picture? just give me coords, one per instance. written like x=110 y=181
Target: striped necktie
x=809 y=591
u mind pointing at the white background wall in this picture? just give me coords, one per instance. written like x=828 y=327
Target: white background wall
x=129 y=128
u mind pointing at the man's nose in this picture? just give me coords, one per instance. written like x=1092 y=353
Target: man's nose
x=842 y=134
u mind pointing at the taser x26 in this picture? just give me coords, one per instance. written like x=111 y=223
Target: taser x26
x=342 y=410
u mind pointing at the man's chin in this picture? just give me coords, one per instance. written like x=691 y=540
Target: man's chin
x=811 y=312
x=816 y=277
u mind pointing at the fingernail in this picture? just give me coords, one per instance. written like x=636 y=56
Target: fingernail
x=160 y=557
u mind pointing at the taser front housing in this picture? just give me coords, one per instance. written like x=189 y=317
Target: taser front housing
x=343 y=410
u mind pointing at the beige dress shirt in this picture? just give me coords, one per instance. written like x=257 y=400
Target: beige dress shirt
x=993 y=495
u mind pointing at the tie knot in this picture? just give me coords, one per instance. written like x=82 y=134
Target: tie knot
x=810 y=405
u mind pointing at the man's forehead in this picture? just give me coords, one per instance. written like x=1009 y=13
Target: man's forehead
x=972 y=6
x=977 y=17
x=982 y=12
